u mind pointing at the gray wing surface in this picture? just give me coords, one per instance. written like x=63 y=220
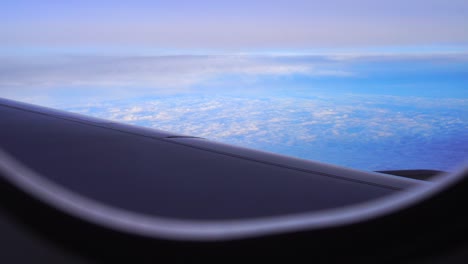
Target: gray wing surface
x=77 y=187
x=167 y=175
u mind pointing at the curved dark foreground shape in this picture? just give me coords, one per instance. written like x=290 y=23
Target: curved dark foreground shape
x=79 y=189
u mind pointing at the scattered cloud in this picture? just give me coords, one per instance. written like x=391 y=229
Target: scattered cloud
x=318 y=128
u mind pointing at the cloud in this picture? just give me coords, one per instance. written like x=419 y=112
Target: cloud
x=386 y=132
x=299 y=120
x=163 y=72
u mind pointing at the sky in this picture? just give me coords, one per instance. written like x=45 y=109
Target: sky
x=111 y=49
x=232 y=25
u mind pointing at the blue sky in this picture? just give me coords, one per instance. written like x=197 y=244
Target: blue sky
x=233 y=25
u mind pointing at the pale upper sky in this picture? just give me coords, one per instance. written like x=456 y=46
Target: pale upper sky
x=237 y=25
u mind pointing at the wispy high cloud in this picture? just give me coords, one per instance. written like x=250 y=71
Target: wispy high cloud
x=157 y=72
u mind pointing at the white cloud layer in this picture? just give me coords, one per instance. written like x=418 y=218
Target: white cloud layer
x=368 y=132
x=300 y=120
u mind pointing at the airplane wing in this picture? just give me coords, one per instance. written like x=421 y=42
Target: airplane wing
x=104 y=190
